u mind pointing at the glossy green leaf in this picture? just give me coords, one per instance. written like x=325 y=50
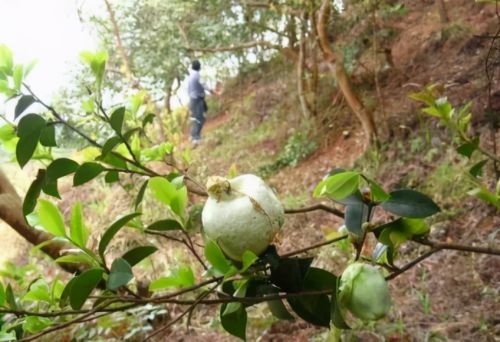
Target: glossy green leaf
x=22 y=104
x=87 y=172
x=2 y=295
x=77 y=258
x=216 y=258
x=467 y=149
x=51 y=218
x=33 y=193
x=248 y=259
x=140 y=194
x=29 y=130
x=64 y=299
x=164 y=225
x=179 y=203
x=240 y=292
x=162 y=189
x=61 y=167
x=116 y=119
x=50 y=188
x=82 y=287
x=112 y=230
x=120 y=274
x=110 y=144
x=147 y=119
x=17 y=76
x=78 y=231
x=377 y=193
x=477 y=169
x=279 y=310
x=34 y=324
x=290 y=273
x=234 y=323
x=6 y=60
x=10 y=298
x=7 y=132
x=48 y=136
x=182 y=277
x=112 y=177
x=398 y=231
x=410 y=203
x=339 y=186
x=137 y=254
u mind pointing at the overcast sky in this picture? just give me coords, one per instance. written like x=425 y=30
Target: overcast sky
x=48 y=31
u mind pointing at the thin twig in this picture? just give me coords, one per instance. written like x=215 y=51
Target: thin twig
x=412 y=263
x=319 y=206
x=188 y=310
x=321 y=244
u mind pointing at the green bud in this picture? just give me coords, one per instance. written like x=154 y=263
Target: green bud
x=364 y=292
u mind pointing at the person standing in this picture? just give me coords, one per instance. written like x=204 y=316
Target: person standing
x=197 y=104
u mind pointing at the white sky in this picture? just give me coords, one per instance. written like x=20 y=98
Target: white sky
x=48 y=31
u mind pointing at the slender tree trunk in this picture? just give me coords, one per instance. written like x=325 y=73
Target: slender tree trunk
x=11 y=211
x=304 y=105
x=336 y=66
x=443 y=13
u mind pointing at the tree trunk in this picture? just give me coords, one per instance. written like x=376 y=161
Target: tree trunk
x=443 y=13
x=336 y=65
x=11 y=211
x=304 y=105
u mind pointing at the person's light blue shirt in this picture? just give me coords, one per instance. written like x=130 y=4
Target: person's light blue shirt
x=195 y=88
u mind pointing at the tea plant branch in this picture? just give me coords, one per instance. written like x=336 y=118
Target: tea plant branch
x=321 y=244
x=319 y=206
x=412 y=263
x=189 y=244
x=189 y=310
x=163 y=235
x=456 y=247
x=69 y=323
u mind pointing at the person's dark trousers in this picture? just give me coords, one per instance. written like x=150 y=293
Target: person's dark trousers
x=197 y=108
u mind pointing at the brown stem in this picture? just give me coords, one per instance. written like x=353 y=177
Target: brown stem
x=321 y=244
x=319 y=206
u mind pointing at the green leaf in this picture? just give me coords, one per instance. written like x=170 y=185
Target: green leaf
x=63 y=300
x=248 y=259
x=33 y=193
x=34 y=324
x=29 y=130
x=116 y=119
x=61 y=167
x=2 y=295
x=290 y=273
x=467 y=149
x=356 y=213
x=38 y=291
x=82 y=287
x=336 y=313
x=87 y=172
x=410 y=203
x=182 y=277
x=179 y=203
x=163 y=225
x=7 y=132
x=279 y=310
x=340 y=185
x=140 y=194
x=50 y=188
x=112 y=177
x=137 y=254
x=216 y=258
x=110 y=144
x=112 y=230
x=120 y=274
x=240 y=292
x=315 y=309
x=234 y=323
x=163 y=190
x=51 y=218
x=477 y=169
x=398 y=231
x=10 y=298
x=78 y=232
x=378 y=194
x=17 y=76
x=147 y=119
x=485 y=195
x=6 y=60
x=48 y=135
x=24 y=102
x=77 y=258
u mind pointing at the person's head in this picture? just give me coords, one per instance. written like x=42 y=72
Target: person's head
x=196 y=65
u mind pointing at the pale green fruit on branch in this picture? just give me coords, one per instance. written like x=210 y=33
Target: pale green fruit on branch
x=364 y=292
x=241 y=214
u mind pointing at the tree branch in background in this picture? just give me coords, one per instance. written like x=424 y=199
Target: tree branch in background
x=234 y=47
x=336 y=65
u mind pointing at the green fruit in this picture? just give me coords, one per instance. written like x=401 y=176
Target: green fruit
x=364 y=292
x=241 y=214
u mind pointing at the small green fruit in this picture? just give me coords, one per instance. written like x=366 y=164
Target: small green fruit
x=364 y=292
